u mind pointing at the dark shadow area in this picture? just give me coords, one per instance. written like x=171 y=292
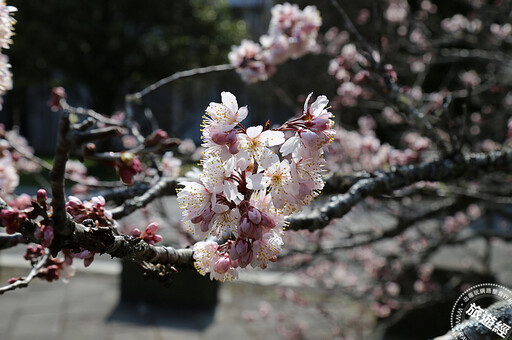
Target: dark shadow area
x=188 y=301
x=154 y=314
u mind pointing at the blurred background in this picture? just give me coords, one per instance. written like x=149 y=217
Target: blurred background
x=402 y=286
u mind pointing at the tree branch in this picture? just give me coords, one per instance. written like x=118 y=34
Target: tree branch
x=437 y=210
x=57 y=174
x=136 y=97
x=9 y=241
x=162 y=187
x=398 y=177
x=103 y=240
x=26 y=281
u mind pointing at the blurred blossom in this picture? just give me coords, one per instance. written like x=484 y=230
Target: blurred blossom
x=501 y=31
x=397 y=11
x=187 y=147
x=470 y=78
x=129 y=141
x=171 y=165
x=417 y=66
x=9 y=178
x=391 y=116
x=459 y=23
x=292 y=33
x=363 y=16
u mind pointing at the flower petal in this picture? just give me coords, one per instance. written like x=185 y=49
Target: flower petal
x=273 y=138
x=229 y=100
x=254 y=131
x=319 y=105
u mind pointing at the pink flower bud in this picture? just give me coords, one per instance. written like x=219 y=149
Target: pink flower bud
x=13 y=279
x=155 y=138
x=207 y=215
x=197 y=219
x=58 y=93
x=266 y=221
x=10 y=220
x=88 y=261
x=136 y=232
x=390 y=71
x=254 y=215
x=244 y=226
x=41 y=196
x=238 y=249
x=233 y=148
x=219 y=138
x=47 y=236
x=205 y=225
x=222 y=265
x=151 y=229
x=157 y=238
x=232 y=137
x=245 y=259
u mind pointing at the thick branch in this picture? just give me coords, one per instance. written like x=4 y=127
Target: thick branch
x=102 y=240
x=399 y=177
x=9 y=241
x=61 y=225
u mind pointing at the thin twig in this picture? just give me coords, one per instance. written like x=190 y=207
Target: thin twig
x=162 y=187
x=136 y=97
x=26 y=281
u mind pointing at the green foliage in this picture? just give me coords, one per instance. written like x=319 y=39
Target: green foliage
x=117 y=46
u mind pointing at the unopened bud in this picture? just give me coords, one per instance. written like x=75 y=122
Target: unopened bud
x=41 y=196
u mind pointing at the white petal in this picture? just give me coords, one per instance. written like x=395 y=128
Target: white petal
x=217 y=111
x=273 y=138
x=231 y=190
x=318 y=106
x=306 y=102
x=220 y=208
x=229 y=166
x=255 y=181
x=290 y=145
x=229 y=100
x=268 y=158
x=254 y=131
x=242 y=159
x=242 y=113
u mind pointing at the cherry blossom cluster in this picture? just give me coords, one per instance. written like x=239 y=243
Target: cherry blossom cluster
x=346 y=68
x=149 y=235
x=458 y=24
x=32 y=209
x=6 y=31
x=249 y=185
x=53 y=269
x=362 y=149
x=93 y=209
x=292 y=33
